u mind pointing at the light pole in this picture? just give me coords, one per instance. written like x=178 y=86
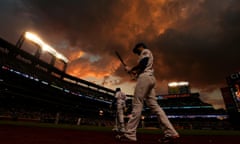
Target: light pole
x=42 y=46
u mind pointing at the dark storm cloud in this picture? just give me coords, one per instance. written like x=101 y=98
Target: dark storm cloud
x=196 y=48
x=192 y=40
x=202 y=48
x=81 y=22
x=11 y=12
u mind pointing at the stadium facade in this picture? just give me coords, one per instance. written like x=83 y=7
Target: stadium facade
x=187 y=111
x=32 y=89
x=231 y=96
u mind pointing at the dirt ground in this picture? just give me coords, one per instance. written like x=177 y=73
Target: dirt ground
x=10 y=134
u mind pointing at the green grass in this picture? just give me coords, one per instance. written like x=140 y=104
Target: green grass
x=108 y=129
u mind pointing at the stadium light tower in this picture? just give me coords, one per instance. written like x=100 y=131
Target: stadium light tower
x=20 y=41
x=42 y=47
x=178 y=87
x=45 y=47
x=172 y=84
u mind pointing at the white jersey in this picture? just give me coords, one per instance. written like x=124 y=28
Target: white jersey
x=120 y=96
x=147 y=53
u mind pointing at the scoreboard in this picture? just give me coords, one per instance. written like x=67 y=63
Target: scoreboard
x=179 y=88
x=233 y=82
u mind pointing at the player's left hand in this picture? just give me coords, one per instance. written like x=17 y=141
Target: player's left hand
x=127 y=68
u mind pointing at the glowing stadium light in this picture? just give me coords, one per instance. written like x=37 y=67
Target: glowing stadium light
x=45 y=47
x=60 y=56
x=49 y=49
x=34 y=38
x=174 y=84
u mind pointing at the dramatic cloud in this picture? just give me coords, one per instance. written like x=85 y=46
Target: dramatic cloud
x=192 y=40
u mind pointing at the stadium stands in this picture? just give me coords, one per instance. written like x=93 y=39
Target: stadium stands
x=28 y=87
x=31 y=89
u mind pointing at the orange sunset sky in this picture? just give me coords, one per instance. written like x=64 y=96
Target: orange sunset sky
x=192 y=40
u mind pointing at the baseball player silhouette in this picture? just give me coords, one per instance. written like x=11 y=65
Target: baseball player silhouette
x=145 y=91
x=121 y=104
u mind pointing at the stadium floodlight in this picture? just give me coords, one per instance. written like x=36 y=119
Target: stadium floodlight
x=174 y=84
x=49 y=49
x=45 y=47
x=60 y=56
x=34 y=38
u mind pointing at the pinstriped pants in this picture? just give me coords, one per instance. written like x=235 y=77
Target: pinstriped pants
x=145 y=90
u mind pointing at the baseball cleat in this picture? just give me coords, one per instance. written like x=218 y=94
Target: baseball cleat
x=123 y=138
x=169 y=139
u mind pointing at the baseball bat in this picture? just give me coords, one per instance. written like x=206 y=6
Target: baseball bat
x=120 y=58
x=132 y=74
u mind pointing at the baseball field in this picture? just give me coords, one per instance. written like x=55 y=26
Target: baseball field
x=12 y=132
